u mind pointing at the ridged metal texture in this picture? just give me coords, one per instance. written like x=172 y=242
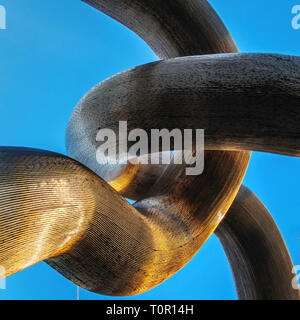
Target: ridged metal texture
x=71 y=213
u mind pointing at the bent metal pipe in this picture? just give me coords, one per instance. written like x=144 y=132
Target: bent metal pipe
x=56 y=209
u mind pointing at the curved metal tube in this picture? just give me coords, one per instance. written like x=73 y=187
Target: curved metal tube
x=54 y=208
x=243 y=101
x=256 y=251
x=123 y=251
x=172 y=28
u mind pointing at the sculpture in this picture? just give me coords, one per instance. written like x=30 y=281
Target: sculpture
x=56 y=209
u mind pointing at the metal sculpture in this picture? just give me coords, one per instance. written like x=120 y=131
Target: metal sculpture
x=71 y=212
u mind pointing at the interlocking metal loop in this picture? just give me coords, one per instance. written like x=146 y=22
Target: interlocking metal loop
x=59 y=210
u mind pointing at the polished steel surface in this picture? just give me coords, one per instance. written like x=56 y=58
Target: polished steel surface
x=256 y=251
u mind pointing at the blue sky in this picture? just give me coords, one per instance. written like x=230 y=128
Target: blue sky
x=54 y=51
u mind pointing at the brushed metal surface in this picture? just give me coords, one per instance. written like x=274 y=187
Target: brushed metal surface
x=256 y=251
x=172 y=28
